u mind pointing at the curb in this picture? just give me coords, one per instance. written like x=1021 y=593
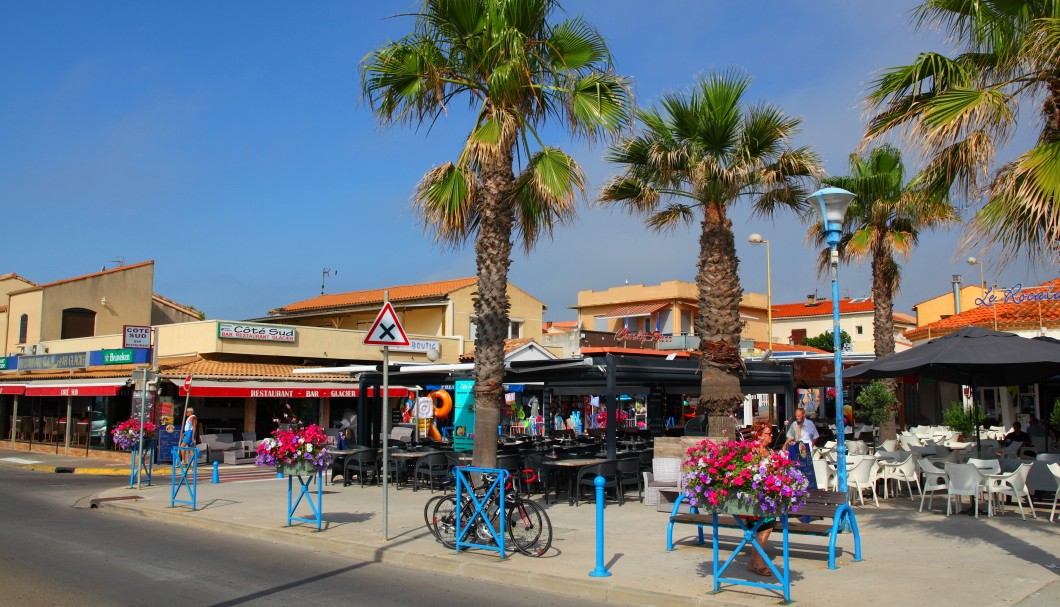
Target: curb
x=498 y=571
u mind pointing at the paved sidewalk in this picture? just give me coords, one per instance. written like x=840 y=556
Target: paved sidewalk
x=909 y=555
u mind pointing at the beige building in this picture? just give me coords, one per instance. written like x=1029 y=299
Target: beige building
x=669 y=308
x=944 y=306
x=794 y=322
x=428 y=310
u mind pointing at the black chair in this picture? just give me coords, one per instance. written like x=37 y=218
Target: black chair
x=513 y=463
x=629 y=475
x=586 y=479
x=434 y=467
x=535 y=462
x=645 y=459
x=364 y=463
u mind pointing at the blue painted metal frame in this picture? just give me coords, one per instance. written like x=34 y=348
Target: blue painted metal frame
x=842 y=522
x=783 y=575
x=192 y=485
x=147 y=466
x=317 y=508
x=466 y=524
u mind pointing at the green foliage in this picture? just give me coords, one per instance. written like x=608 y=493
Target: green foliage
x=875 y=403
x=961 y=420
x=1054 y=418
x=825 y=340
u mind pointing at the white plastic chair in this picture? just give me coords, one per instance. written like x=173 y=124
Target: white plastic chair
x=964 y=479
x=861 y=474
x=935 y=479
x=1054 y=469
x=1013 y=484
x=825 y=474
x=1010 y=450
x=986 y=466
x=903 y=469
x=890 y=444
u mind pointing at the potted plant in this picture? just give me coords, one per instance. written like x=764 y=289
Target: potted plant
x=733 y=477
x=962 y=421
x=294 y=448
x=127 y=434
x=876 y=403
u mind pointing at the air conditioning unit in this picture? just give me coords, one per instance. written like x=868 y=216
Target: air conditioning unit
x=39 y=349
x=24 y=349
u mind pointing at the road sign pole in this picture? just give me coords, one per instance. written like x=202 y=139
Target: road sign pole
x=385 y=424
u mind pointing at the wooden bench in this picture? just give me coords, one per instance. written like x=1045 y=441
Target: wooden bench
x=819 y=504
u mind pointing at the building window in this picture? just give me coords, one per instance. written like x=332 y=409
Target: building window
x=78 y=322
x=860 y=330
x=515 y=329
x=472 y=331
x=23 y=328
x=798 y=337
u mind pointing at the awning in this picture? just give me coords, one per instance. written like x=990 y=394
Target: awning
x=634 y=310
x=266 y=389
x=12 y=389
x=74 y=387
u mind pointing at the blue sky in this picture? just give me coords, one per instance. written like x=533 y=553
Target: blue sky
x=229 y=143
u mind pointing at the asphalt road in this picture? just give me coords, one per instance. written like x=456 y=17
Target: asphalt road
x=55 y=550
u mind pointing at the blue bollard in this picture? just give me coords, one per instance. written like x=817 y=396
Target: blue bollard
x=216 y=474
x=600 y=571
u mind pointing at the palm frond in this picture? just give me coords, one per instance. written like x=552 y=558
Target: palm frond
x=445 y=198
x=545 y=194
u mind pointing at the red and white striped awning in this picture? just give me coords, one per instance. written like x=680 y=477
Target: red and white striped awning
x=634 y=310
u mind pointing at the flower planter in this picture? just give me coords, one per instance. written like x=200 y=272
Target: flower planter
x=299 y=469
x=736 y=507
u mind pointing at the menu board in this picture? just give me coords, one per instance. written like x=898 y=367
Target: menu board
x=168 y=431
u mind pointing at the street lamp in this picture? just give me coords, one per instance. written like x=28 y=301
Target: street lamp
x=757 y=239
x=832 y=204
x=973 y=261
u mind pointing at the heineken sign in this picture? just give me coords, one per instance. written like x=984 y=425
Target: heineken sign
x=118 y=357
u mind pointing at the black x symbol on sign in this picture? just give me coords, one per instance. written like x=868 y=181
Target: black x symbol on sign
x=387 y=331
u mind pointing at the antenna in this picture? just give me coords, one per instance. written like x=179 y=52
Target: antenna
x=120 y=261
x=326 y=273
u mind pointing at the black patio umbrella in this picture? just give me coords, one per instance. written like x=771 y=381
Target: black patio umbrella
x=971 y=356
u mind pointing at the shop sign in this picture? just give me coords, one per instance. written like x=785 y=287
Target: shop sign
x=418 y=345
x=136 y=337
x=43 y=362
x=3 y=363
x=625 y=334
x=234 y=330
x=118 y=357
x=1013 y=295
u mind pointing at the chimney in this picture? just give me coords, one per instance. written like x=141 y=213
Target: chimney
x=811 y=299
x=956 y=280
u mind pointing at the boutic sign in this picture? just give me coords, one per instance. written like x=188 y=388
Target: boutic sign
x=137 y=337
x=232 y=330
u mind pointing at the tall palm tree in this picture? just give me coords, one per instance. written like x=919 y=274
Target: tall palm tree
x=696 y=155
x=516 y=70
x=960 y=109
x=884 y=221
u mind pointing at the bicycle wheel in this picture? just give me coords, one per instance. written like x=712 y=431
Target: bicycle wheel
x=443 y=521
x=428 y=513
x=529 y=528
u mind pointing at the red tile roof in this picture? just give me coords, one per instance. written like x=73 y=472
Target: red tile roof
x=510 y=345
x=374 y=296
x=1026 y=309
x=822 y=307
x=14 y=275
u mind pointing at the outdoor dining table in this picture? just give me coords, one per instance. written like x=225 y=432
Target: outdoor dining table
x=572 y=467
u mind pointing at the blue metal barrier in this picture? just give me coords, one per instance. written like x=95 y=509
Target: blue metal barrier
x=141 y=465
x=316 y=508
x=600 y=570
x=481 y=517
x=750 y=529
x=216 y=478
x=191 y=484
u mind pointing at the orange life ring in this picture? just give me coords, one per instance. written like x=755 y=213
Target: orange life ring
x=440 y=410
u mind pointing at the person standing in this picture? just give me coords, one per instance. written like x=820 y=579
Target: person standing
x=190 y=434
x=801 y=435
x=763 y=432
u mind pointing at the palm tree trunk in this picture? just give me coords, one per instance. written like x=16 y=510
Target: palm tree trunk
x=718 y=322
x=493 y=249
x=884 y=281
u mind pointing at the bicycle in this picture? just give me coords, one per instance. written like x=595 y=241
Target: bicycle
x=527 y=524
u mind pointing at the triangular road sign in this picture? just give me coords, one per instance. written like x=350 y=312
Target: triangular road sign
x=386 y=330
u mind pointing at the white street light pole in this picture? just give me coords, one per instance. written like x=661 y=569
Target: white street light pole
x=972 y=261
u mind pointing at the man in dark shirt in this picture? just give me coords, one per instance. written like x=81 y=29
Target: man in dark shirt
x=1018 y=435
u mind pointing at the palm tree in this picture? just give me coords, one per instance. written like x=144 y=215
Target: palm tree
x=698 y=154
x=516 y=70
x=960 y=109
x=883 y=221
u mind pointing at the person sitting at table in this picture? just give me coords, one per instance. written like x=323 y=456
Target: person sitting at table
x=1018 y=435
x=1035 y=428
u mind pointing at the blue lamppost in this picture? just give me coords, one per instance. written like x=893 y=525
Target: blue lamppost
x=832 y=204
